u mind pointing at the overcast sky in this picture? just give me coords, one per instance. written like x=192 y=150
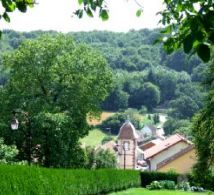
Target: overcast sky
x=57 y=15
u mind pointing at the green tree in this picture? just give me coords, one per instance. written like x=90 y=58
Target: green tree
x=57 y=83
x=203 y=135
x=147 y=94
x=118 y=99
x=183 y=107
x=156 y=118
x=177 y=126
x=105 y=159
x=7 y=153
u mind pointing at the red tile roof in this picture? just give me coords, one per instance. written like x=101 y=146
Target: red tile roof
x=127 y=131
x=165 y=144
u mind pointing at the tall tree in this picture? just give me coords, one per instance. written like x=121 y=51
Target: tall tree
x=55 y=84
x=203 y=134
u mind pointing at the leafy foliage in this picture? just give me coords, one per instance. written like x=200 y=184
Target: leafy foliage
x=105 y=159
x=115 y=122
x=162 y=184
x=99 y=158
x=58 y=83
x=189 y=24
x=203 y=136
x=7 y=153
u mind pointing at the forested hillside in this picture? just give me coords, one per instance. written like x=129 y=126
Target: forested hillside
x=145 y=77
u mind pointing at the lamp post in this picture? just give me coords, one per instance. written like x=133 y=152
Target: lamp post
x=15 y=125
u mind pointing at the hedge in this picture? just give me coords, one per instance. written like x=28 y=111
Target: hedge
x=23 y=180
x=148 y=176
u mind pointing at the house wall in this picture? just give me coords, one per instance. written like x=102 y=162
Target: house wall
x=182 y=164
x=166 y=154
x=130 y=155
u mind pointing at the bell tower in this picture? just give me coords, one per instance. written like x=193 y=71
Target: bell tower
x=127 y=146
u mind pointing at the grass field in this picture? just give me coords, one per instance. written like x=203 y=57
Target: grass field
x=142 y=191
x=93 y=138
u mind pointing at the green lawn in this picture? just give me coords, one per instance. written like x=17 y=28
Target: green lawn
x=94 y=138
x=142 y=191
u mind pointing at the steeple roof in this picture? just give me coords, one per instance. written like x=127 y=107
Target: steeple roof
x=127 y=131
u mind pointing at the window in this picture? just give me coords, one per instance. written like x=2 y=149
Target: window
x=126 y=145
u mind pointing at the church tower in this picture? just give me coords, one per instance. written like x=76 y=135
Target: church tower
x=127 y=146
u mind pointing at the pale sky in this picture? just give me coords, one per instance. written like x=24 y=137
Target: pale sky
x=57 y=15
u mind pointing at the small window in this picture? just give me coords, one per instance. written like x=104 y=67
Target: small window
x=126 y=146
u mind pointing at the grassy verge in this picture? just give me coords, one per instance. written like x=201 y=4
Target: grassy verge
x=94 y=138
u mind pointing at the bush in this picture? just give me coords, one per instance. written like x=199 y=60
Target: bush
x=155 y=185
x=106 y=139
x=167 y=184
x=147 y=177
x=32 y=180
x=197 y=189
x=185 y=186
x=164 y=184
x=206 y=181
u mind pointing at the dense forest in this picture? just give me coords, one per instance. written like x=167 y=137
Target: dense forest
x=145 y=77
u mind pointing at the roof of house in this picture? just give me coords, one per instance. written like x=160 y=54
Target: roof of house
x=152 y=143
x=175 y=156
x=165 y=144
x=127 y=131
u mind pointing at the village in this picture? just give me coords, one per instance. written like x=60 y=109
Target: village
x=149 y=149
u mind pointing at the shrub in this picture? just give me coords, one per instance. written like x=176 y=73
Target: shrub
x=155 y=185
x=148 y=176
x=185 y=186
x=167 y=184
x=164 y=184
x=106 y=139
x=197 y=189
x=23 y=180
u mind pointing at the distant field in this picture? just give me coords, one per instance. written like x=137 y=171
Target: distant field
x=103 y=117
x=142 y=191
x=93 y=138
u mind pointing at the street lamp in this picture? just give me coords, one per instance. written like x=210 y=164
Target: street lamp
x=15 y=125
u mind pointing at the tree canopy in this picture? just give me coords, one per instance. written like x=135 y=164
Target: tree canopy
x=56 y=84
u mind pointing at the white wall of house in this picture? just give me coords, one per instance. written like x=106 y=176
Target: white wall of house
x=166 y=154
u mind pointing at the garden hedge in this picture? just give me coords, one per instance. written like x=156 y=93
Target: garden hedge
x=23 y=180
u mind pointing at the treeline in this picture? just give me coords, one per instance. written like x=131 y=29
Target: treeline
x=144 y=75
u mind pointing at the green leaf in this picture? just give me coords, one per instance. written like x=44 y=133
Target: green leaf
x=80 y=2
x=188 y=43
x=79 y=13
x=9 y=6
x=89 y=12
x=138 y=12
x=104 y=14
x=211 y=37
x=203 y=52
x=21 y=6
x=6 y=17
